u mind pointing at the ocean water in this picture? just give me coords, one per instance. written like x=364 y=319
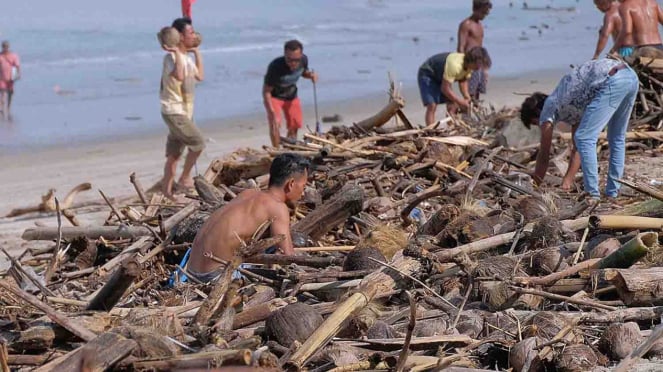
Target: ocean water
x=91 y=69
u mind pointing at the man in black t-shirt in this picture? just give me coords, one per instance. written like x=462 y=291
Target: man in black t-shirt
x=279 y=91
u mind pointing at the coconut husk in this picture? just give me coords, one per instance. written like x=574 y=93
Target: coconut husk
x=546 y=325
x=84 y=251
x=294 y=322
x=168 y=37
x=499 y=266
x=549 y=260
x=449 y=286
x=380 y=330
x=151 y=343
x=547 y=232
x=359 y=324
x=439 y=220
x=456 y=231
x=430 y=327
x=198 y=39
x=164 y=321
x=388 y=239
x=470 y=323
x=496 y=295
x=185 y=231
x=576 y=358
x=602 y=245
x=531 y=208
x=358 y=259
x=524 y=355
x=381 y=206
x=618 y=340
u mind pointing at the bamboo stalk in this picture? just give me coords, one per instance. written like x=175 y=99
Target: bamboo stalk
x=613 y=222
x=630 y=252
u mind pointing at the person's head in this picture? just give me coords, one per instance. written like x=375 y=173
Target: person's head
x=477 y=58
x=289 y=173
x=293 y=50
x=187 y=34
x=603 y=5
x=481 y=8
x=530 y=111
x=5 y=45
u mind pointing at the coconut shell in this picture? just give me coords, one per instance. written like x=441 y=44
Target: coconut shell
x=545 y=324
x=379 y=330
x=548 y=261
x=168 y=37
x=295 y=322
x=358 y=259
x=618 y=340
x=439 y=220
x=388 y=239
x=470 y=323
x=524 y=354
x=198 y=39
x=531 y=208
x=576 y=358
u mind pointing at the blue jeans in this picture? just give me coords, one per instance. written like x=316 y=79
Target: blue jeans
x=612 y=106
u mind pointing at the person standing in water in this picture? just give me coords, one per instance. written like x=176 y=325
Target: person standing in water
x=8 y=62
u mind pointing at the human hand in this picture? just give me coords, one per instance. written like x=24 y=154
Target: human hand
x=314 y=77
x=271 y=118
x=567 y=184
x=169 y=49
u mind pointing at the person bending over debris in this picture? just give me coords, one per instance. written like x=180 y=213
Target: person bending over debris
x=470 y=35
x=438 y=73
x=612 y=23
x=243 y=216
x=640 y=20
x=279 y=91
x=595 y=94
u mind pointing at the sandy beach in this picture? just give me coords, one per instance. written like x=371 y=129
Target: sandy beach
x=107 y=164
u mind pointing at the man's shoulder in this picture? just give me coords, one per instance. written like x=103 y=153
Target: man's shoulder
x=277 y=61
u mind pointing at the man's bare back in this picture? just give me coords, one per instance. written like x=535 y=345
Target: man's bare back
x=247 y=212
x=470 y=35
x=241 y=217
x=640 y=20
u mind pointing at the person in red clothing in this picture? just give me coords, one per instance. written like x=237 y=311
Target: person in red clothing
x=279 y=90
x=186 y=8
x=8 y=61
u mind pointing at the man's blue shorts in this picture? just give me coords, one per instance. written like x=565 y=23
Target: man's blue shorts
x=430 y=89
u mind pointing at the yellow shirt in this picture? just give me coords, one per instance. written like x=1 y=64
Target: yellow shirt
x=453 y=68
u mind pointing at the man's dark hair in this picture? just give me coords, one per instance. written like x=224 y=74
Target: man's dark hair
x=180 y=24
x=480 y=4
x=286 y=166
x=479 y=56
x=531 y=108
x=293 y=45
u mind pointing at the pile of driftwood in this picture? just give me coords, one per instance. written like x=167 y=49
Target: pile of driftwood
x=418 y=249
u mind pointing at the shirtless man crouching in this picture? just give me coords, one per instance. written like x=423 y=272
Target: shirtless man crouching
x=640 y=20
x=244 y=215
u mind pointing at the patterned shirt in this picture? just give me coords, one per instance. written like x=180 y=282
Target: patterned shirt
x=576 y=91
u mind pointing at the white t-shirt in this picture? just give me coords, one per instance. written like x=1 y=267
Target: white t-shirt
x=177 y=96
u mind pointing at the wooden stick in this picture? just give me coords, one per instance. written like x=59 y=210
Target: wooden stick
x=336 y=145
x=482 y=167
x=402 y=357
x=91 y=232
x=138 y=187
x=112 y=207
x=572 y=300
x=44 y=290
x=68 y=324
x=613 y=222
x=643 y=188
x=116 y=285
x=629 y=253
x=338 y=248
x=629 y=135
x=55 y=259
x=552 y=278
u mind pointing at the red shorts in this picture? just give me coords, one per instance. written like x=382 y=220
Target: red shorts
x=6 y=85
x=291 y=109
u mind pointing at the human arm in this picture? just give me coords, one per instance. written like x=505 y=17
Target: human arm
x=543 y=158
x=604 y=35
x=447 y=90
x=177 y=66
x=281 y=226
x=463 y=30
x=267 y=102
x=200 y=74
x=574 y=164
x=660 y=13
